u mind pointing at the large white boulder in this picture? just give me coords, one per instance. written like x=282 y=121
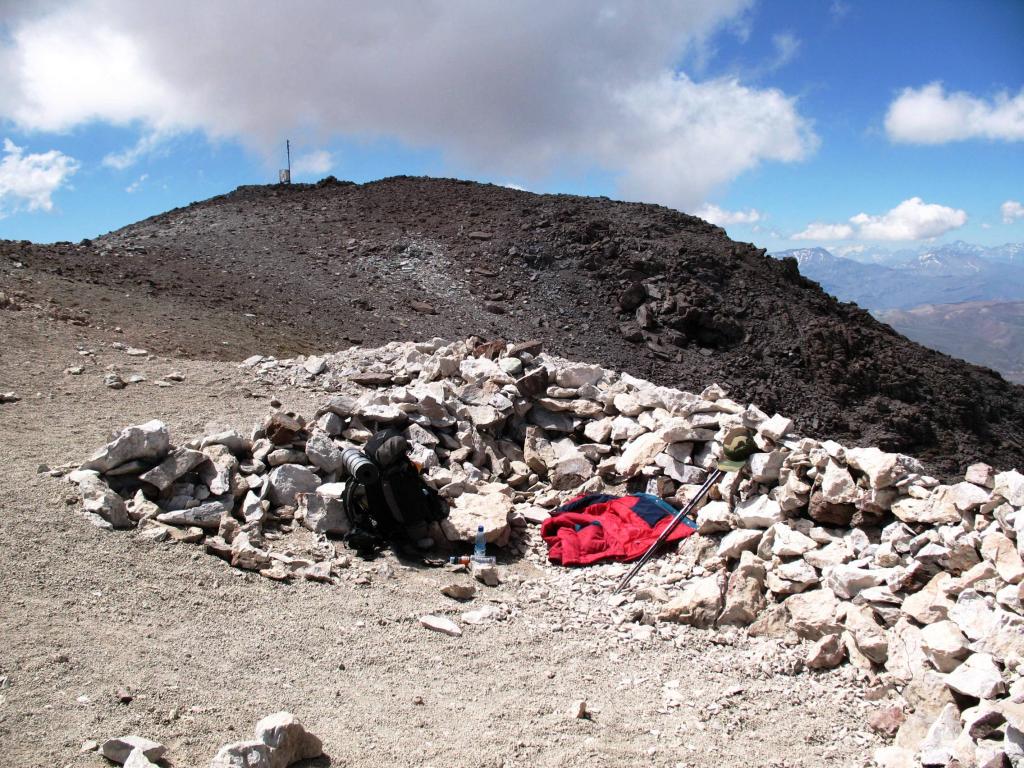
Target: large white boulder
x=973 y=613
x=322 y=513
x=639 y=453
x=759 y=512
x=736 y=542
x=698 y=604
x=944 y=645
x=715 y=517
x=1010 y=485
x=174 y=466
x=930 y=604
x=288 y=481
x=837 y=485
x=323 y=453
x=1001 y=552
x=775 y=428
x=288 y=740
x=978 y=677
x=934 y=510
x=577 y=374
x=869 y=636
x=883 y=469
x=99 y=499
x=787 y=542
x=847 y=580
x=491 y=510
x=792 y=577
x=143 y=441
x=814 y=614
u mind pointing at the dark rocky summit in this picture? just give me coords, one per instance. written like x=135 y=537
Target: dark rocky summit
x=640 y=288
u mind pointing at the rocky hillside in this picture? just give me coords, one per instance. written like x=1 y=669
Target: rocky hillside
x=640 y=288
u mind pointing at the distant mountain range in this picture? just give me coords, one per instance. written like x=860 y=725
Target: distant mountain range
x=988 y=333
x=962 y=299
x=878 y=279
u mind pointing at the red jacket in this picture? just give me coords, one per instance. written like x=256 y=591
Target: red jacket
x=599 y=527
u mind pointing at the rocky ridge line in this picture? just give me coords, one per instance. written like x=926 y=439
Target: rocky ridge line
x=637 y=288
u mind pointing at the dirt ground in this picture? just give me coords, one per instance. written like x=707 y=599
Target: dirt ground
x=206 y=651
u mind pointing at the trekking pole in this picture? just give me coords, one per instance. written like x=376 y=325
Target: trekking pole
x=680 y=516
x=736 y=450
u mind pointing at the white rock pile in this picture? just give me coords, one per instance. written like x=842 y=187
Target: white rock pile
x=854 y=551
x=279 y=740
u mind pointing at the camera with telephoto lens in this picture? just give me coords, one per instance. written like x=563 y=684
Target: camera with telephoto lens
x=359 y=466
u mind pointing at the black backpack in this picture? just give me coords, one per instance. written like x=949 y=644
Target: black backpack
x=395 y=508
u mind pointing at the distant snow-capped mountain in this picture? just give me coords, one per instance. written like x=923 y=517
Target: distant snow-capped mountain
x=954 y=272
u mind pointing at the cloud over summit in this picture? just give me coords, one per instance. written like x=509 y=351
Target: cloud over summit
x=913 y=219
x=530 y=89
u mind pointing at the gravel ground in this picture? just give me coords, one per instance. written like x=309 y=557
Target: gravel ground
x=206 y=650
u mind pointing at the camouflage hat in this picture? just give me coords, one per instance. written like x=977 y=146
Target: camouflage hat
x=736 y=451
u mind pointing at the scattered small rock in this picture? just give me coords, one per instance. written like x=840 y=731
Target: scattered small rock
x=441 y=624
x=459 y=591
x=117 y=750
x=887 y=721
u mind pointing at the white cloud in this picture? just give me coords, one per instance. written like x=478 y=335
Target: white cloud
x=29 y=181
x=1011 y=211
x=680 y=139
x=534 y=88
x=838 y=9
x=316 y=162
x=147 y=144
x=136 y=185
x=722 y=217
x=820 y=231
x=786 y=45
x=912 y=219
x=848 y=250
x=929 y=115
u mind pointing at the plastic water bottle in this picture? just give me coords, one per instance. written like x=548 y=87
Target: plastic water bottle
x=480 y=547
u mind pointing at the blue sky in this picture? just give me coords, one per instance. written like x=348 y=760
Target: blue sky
x=790 y=123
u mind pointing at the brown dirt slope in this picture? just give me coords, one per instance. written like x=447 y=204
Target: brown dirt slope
x=640 y=288
x=989 y=333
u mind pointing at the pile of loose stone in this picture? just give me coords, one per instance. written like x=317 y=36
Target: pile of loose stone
x=855 y=551
x=279 y=741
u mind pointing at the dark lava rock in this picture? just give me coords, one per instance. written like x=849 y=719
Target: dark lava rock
x=289 y=269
